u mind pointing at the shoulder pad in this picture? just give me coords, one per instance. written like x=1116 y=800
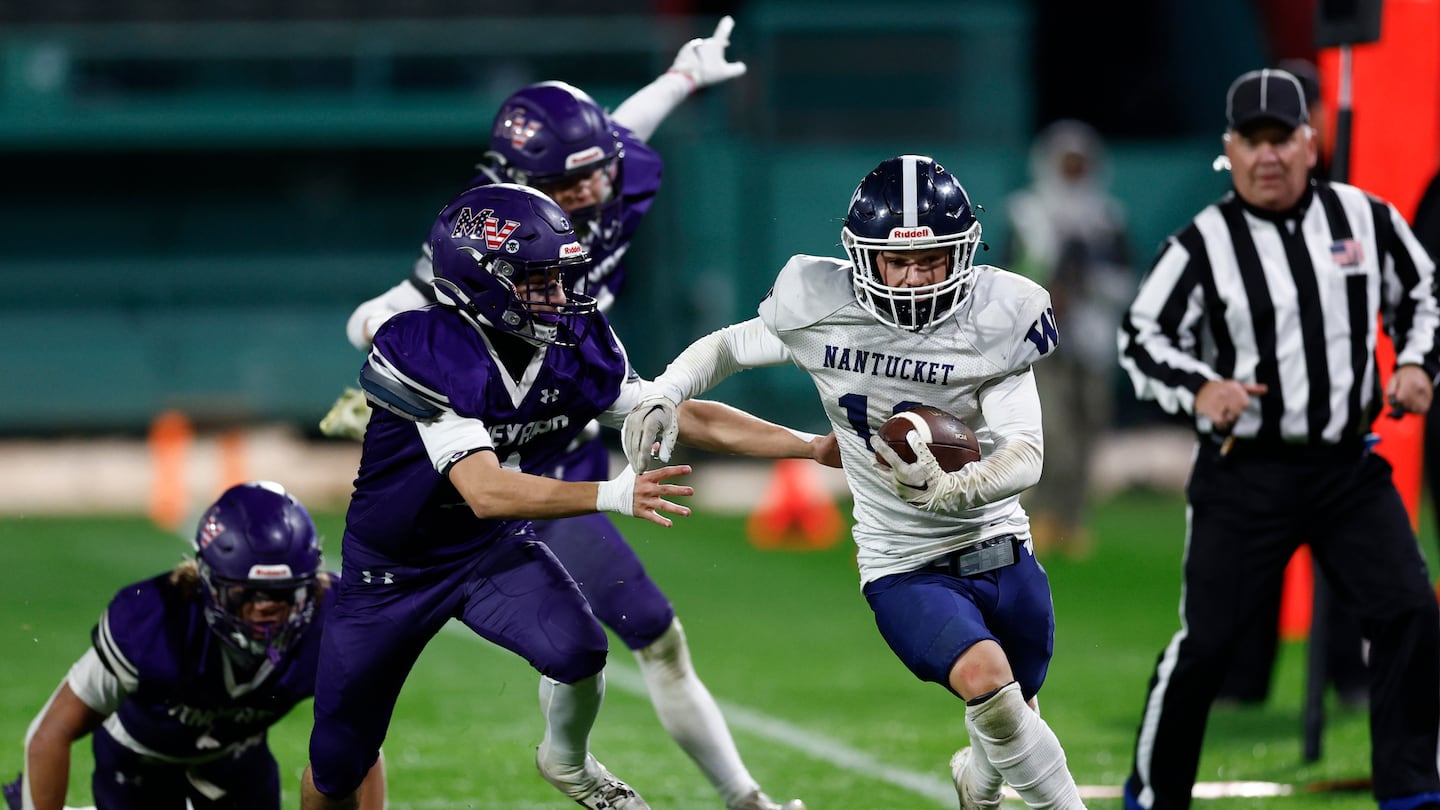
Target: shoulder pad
x=1014 y=322
x=383 y=390
x=130 y=636
x=409 y=390
x=808 y=289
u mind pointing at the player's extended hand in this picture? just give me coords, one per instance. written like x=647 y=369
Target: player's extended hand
x=920 y=482
x=644 y=495
x=347 y=417
x=702 y=60
x=651 y=421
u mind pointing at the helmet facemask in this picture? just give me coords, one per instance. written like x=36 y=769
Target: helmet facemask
x=233 y=612
x=509 y=306
x=912 y=308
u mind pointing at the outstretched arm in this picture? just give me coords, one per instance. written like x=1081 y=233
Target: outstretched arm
x=493 y=492
x=717 y=427
x=696 y=370
x=701 y=62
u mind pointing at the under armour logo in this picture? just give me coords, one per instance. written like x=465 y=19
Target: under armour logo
x=371 y=578
x=548 y=395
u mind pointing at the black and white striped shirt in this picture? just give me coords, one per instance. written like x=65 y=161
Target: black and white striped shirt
x=1289 y=300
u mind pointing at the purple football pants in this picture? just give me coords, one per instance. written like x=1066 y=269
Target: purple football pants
x=607 y=570
x=514 y=594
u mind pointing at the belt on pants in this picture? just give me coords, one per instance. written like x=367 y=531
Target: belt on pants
x=987 y=555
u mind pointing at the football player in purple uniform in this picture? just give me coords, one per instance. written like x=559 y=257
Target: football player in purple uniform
x=599 y=169
x=188 y=670
x=478 y=399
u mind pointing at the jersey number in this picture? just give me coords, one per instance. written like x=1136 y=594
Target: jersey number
x=857 y=408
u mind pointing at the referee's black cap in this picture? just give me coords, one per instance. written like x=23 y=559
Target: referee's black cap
x=1266 y=95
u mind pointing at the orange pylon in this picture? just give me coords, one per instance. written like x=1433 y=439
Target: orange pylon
x=796 y=511
x=170 y=439
x=1297 y=600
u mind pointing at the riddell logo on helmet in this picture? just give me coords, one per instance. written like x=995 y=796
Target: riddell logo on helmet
x=483 y=224
x=911 y=233
x=269 y=572
x=583 y=157
x=572 y=249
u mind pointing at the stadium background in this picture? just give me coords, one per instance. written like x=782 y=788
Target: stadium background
x=195 y=196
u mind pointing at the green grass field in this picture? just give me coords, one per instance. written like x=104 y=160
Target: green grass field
x=819 y=706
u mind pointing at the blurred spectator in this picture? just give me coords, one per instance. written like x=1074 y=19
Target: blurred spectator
x=1069 y=234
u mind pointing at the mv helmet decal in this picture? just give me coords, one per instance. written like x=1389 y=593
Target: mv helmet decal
x=507 y=257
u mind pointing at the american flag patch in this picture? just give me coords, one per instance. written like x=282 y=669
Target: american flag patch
x=1347 y=253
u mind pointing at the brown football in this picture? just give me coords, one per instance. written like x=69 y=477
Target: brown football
x=952 y=441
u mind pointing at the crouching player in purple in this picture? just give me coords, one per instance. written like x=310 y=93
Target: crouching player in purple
x=600 y=170
x=189 y=670
x=476 y=398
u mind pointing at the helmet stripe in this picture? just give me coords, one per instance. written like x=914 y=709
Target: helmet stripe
x=909 y=189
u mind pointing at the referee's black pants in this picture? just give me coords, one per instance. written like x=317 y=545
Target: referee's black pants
x=1248 y=512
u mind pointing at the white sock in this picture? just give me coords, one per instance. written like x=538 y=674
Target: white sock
x=986 y=778
x=687 y=710
x=570 y=711
x=1024 y=749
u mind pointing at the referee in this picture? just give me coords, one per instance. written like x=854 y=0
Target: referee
x=1259 y=319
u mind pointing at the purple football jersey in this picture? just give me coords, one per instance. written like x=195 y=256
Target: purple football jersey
x=155 y=636
x=403 y=513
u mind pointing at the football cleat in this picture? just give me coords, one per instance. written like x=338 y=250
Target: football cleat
x=757 y=800
x=594 y=787
x=969 y=796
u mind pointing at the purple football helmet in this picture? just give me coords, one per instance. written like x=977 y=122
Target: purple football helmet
x=551 y=133
x=257 y=544
x=910 y=202
x=497 y=249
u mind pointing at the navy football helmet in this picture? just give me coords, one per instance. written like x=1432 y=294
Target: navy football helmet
x=257 y=543
x=910 y=202
x=552 y=133
x=499 y=252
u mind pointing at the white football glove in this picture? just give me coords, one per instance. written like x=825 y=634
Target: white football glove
x=922 y=482
x=653 y=419
x=347 y=417
x=702 y=60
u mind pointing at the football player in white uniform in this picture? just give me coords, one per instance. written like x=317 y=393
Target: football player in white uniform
x=946 y=560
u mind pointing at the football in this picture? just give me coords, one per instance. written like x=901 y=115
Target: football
x=952 y=441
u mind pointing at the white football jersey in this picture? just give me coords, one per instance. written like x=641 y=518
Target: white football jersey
x=865 y=371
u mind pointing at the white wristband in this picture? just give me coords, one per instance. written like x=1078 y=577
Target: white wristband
x=802 y=435
x=617 y=494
